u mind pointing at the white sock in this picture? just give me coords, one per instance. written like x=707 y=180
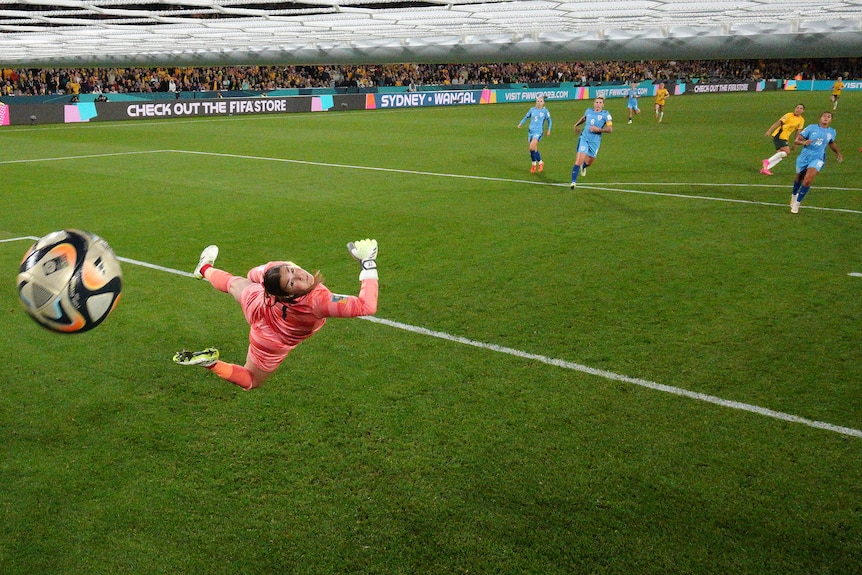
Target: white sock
x=773 y=161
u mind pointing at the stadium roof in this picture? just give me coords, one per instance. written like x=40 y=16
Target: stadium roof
x=71 y=33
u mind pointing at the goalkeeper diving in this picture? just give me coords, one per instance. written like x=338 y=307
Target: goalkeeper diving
x=283 y=305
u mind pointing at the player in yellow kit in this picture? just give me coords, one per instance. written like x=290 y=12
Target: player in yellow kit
x=781 y=132
x=836 y=92
x=661 y=95
x=284 y=305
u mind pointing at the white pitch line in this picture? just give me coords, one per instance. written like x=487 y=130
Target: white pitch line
x=127 y=260
x=714 y=199
x=722 y=185
x=624 y=378
x=367 y=168
x=30 y=238
x=509 y=180
x=83 y=157
x=855 y=274
x=600 y=187
x=566 y=364
x=156 y=267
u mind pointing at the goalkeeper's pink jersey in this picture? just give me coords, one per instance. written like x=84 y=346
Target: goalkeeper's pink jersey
x=276 y=329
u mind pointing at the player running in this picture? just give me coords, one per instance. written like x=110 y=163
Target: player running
x=598 y=121
x=537 y=115
x=661 y=95
x=814 y=140
x=780 y=133
x=284 y=305
x=836 y=92
x=632 y=104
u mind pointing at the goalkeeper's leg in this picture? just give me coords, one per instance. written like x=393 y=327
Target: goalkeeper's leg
x=247 y=377
x=236 y=374
x=226 y=282
x=219 y=279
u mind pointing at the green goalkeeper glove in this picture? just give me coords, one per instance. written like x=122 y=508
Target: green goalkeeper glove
x=365 y=251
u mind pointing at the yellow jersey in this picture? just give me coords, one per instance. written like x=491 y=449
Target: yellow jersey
x=660 y=96
x=836 y=88
x=790 y=122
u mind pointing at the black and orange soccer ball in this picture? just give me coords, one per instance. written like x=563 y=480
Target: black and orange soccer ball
x=69 y=281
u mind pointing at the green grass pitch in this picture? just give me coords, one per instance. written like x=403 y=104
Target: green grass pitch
x=380 y=448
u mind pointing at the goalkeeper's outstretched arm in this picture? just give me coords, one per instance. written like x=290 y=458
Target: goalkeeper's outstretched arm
x=336 y=305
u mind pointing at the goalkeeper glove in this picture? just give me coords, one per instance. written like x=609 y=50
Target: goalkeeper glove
x=365 y=251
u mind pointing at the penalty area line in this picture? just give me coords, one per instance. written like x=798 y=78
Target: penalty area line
x=607 y=187
x=156 y=267
x=83 y=157
x=599 y=186
x=609 y=375
x=18 y=239
x=623 y=378
x=122 y=259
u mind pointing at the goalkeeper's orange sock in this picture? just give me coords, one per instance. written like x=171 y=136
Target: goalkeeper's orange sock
x=218 y=278
x=235 y=374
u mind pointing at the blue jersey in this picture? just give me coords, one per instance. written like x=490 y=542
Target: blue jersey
x=538 y=117
x=821 y=138
x=633 y=98
x=597 y=119
x=814 y=154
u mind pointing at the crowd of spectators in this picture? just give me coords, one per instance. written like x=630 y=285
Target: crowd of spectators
x=35 y=82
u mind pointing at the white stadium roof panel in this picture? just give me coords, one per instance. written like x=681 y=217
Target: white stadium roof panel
x=185 y=32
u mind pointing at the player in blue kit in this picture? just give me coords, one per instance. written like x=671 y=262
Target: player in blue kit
x=814 y=140
x=632 y=104
x=597 y=121
x=537 y=116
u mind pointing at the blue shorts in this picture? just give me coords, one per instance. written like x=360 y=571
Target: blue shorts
x=590 y=148
x=531 y=136
x=803 y=164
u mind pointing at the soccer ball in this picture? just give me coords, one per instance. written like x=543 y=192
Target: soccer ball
x=69 y=281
